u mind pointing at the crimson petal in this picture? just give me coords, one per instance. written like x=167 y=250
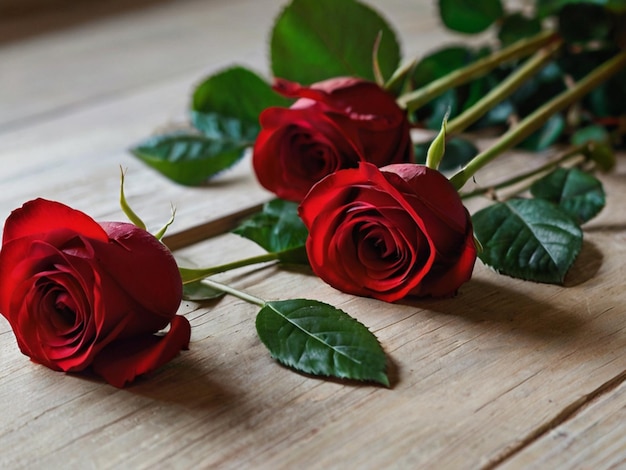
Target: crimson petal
x=122 y=361
x=41 y=216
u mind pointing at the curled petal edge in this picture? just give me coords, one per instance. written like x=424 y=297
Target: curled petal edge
x=122 y=361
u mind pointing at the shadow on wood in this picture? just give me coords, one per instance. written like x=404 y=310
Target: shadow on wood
x=20 y=19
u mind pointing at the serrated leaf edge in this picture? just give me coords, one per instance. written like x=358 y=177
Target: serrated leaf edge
x=530 y=228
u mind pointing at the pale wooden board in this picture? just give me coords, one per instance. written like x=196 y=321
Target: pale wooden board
x=594 y=438
x=62 y=71
x=76 y=100
x=21 y=19
x=474 y=378
x=76 y=160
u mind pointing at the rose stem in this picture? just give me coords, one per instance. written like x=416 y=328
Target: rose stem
x=235 y=292
x=570 y=154
x=400 y=75
x=535 y=120
x=191 y=275
x=413 y=100
x=504 y=89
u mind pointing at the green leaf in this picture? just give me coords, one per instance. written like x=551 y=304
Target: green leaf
x=445 y=105
x=517 y=26
x=215 y=126
x=578 y=193
x=400 y=82
x=236 y=93
x=459 y=151
x=584 y=22
x=277 y=228
x=225 y=109
x=316 y=338
x=609 y=99
x=432 y=67
x=598 y=147
x=549 y=7
x=199 y=291
x=618 y=6
x=529 y=239
x=313 y=40
x=590 y=134
x=603 y=155
x=547 y=135
x=470 y=16
x=188 y=159
x=498 y=115
x=441 y=62
x=540 y=88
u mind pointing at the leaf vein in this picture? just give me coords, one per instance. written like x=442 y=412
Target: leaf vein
x=312 y=335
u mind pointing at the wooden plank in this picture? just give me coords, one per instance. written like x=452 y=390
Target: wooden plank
x=21 y=19
x=474 y=377
x=72 y=117
x=593 y=438
x=101 y=59
x=63 y=71
x=76 y=160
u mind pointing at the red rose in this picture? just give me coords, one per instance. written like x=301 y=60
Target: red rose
x=79 y=294
x=390 y=232
x=334 y=124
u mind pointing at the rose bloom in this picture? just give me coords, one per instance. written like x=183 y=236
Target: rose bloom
x=334 y=124
x=78 y=293
x=388 y=233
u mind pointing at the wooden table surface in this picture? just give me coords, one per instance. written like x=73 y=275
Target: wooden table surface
x=508 y=374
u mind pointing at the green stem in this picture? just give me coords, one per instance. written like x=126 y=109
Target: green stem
x=235 y=292
x=413 y=100
x=504 y=89
x=548 y=166
x=536 y=119
x=399 y=76
x=191 y=275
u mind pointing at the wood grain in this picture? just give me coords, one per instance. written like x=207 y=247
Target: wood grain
x=593 y=438
x=507 y=374
x=21 y=19
x=67 y=121
x=187 y=40
x=473 y=378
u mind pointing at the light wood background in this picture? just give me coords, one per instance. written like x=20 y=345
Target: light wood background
x=506 y=375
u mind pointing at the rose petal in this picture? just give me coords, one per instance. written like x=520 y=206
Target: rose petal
x=41 y=216
x=401 y=230
x=345 y=119
x=142 y=267
x=298 y=147
x=433 y=190
x=447 y=283
x=122 y=361
x=333 y=211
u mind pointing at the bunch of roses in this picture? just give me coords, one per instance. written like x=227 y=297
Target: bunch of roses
x=379 y=225
x=80 y=294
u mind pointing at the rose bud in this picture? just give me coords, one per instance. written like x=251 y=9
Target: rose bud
x=78 y=293
x=388 y=233
x=334 y=124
